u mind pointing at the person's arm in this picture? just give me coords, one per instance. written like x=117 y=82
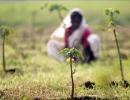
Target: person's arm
x=86 y=34
x=66 y=38
x=67 y=34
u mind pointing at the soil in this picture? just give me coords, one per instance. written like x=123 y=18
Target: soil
x=11 y=71
x=89 y=84
x=124 y=84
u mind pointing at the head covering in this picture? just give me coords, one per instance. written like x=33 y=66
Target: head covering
x=60 y=31
x=67 y=20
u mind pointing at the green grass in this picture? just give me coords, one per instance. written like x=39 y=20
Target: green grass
x=20 y=13
x=47 y=77
x=38 y=75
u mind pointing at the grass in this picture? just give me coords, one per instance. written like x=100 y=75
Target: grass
x=48 y=78
x=38 y=75
x=20 y=13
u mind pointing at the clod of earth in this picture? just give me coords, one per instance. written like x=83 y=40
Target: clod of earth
x=124 y=56
x=89 y=84
x=114 y=83
x=11 y=71
x=125 y=84
x=1 y=93
x=37 y=98
x=88 y=98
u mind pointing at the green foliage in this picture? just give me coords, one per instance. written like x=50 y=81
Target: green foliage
x=71 y=53
x=112 y=15
x=54 y=7
x=112 y=18
x=45 y=6
x=5 y=31
x=43 y=76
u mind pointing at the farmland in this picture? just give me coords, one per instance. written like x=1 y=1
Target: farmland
x=40 y=76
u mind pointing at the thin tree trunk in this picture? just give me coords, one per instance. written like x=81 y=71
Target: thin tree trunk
x=120 y=60
x=60 y=16
x=72 y=80
x=3 y=54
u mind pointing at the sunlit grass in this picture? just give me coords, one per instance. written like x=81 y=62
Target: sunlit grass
x=42 y=72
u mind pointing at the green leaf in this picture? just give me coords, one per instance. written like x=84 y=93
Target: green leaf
x=112 y=16
x=57 y=7
x=54 y=7
x=64 y=8
x=71 y=53
x=117 y=11
x=107 y=12
x=5 y=31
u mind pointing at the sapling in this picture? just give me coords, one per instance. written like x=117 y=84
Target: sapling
x=57 y=8
x=112 y=15
x=72 y=55
x=5 y=31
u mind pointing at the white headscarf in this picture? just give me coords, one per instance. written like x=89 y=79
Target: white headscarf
x=67 y=20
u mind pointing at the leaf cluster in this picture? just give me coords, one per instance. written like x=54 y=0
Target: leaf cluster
x=112 y=15
x=71 y=53
x=5 y=31
x=54 y=7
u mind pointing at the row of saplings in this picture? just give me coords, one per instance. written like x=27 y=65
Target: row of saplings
x=73 y=55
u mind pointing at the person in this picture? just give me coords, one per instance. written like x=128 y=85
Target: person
x=75 y=33
x=91 y=45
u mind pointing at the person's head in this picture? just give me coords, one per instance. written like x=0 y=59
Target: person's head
x=76 y=19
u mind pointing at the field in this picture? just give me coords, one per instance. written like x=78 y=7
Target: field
x=40 y=76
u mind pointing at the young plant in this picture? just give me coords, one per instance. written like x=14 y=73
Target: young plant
x=57 y=8
x=112 y=15
x=4 y=33
x=72 y=55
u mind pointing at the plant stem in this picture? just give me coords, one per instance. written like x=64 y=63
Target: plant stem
x=60 y=16
x=120 y=60
x=72 y=80
x=3 y=54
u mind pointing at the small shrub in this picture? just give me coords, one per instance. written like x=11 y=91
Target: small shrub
x=112 y=15
x=5 y=31
x=72 y=56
